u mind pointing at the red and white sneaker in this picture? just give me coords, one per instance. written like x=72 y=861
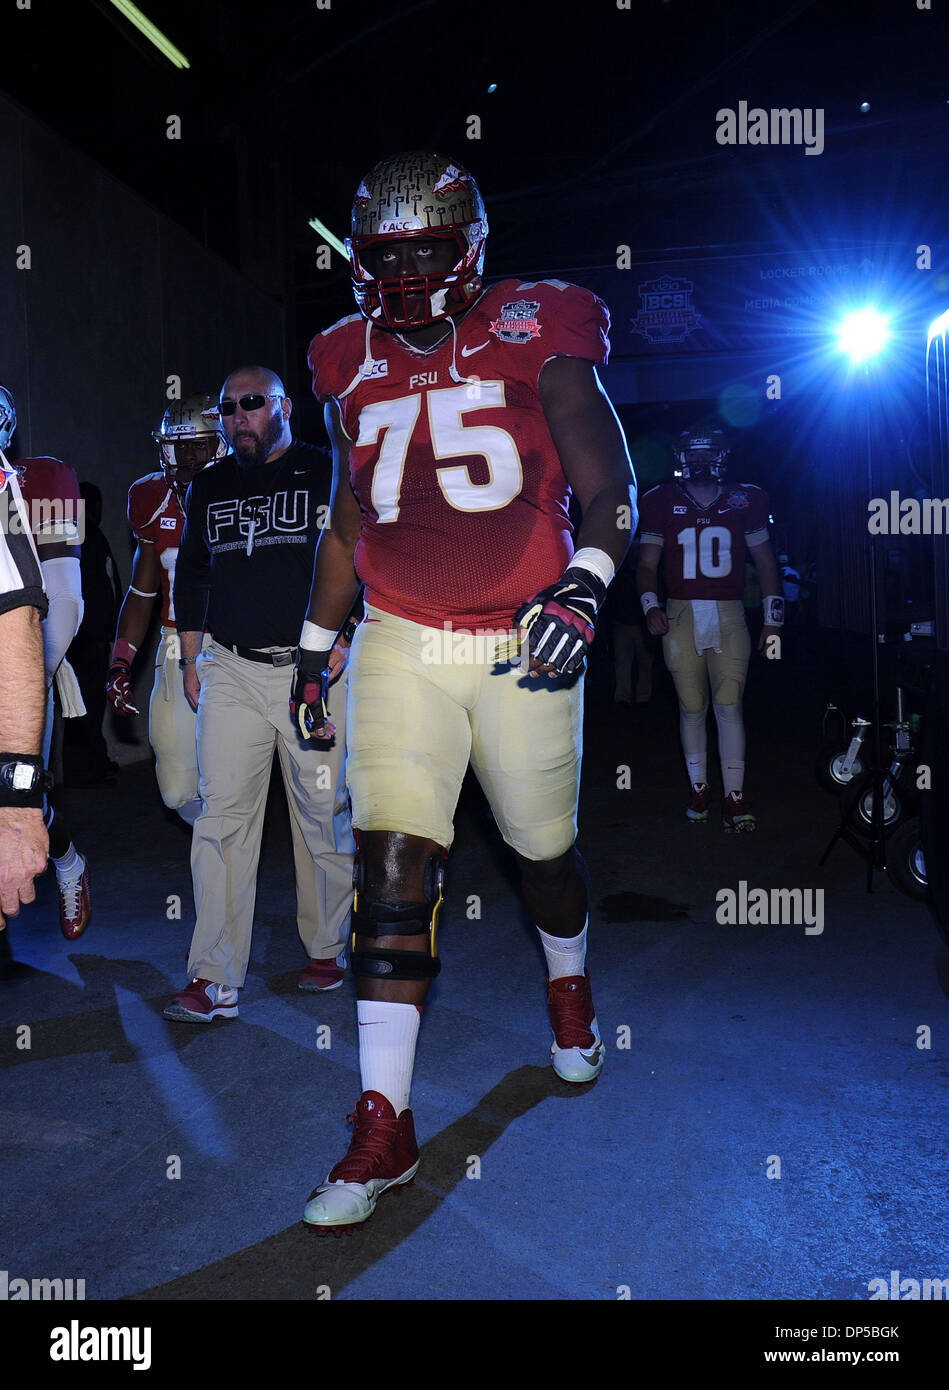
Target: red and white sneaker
x=323 y=975
x=383 y=1153
x=736 y=816
x=75 y=907
x=202 y=1001
x=697 y=809
x=577 y=1053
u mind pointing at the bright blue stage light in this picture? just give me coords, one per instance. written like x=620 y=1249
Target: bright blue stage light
x=863 y=334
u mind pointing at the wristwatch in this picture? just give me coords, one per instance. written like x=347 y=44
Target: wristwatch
x=24 y=780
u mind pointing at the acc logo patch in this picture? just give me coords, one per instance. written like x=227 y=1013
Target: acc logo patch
x=518 y=321
x=679 y=511
x=401 y=224
x=380 y=367
x=167 y=523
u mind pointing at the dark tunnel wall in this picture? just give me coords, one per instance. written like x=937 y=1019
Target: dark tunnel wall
x=115 y=300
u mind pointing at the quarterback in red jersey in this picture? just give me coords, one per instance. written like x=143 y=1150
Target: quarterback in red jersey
x=703 y=526
x=50 y=490
x=189 y=439
x=461 y=419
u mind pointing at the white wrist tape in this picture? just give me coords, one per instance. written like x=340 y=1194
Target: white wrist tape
x=141 y=592
x=649 y=601
x=596 y=561
x=316 y=639
x=773 y=607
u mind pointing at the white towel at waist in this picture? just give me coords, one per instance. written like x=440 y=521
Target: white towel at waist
x=67 y=688
x=705 y=625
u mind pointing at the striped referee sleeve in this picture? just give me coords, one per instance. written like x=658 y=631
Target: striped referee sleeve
x=21 y=580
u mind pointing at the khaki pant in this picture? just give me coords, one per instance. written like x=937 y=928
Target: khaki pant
x=243 y=716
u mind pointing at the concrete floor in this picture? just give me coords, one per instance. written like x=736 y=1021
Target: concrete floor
x=745 y=1044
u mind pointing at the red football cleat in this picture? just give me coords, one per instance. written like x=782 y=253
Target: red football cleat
x=383 y=1153
x=736 y=817
x=577 y=1053
x=697 y=809
x=75 y=907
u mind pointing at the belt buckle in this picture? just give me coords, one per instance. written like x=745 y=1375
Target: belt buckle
x=282 y=658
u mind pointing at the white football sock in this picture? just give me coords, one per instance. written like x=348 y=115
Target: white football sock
x=733 y=777
x=387 y=1034
x=70 y=865
x=565 y=954
x=694 y=735
x=731 y=746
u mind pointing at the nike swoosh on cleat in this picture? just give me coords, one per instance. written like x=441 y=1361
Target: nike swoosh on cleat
x=469 y=352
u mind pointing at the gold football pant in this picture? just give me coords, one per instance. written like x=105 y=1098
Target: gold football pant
x=172 y=726
x=692 y=672
x=423 y=703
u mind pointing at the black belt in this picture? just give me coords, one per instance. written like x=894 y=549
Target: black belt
x=284 y=658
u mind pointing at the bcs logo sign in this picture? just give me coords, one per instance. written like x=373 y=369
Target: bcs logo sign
x=666 y=315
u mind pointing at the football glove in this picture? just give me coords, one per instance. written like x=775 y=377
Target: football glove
x=560 y=620
x=119 y=689
x=311 y=681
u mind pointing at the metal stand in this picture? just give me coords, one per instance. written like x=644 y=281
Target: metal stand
x=873 y=850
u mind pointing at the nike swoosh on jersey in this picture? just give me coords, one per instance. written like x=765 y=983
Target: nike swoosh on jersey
x=469 y=352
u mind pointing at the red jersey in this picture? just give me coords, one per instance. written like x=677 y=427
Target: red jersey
x=50 y=490
x=156 y=518
x=464 y=502
x=704 y=547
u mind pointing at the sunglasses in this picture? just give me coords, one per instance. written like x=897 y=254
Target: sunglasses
x=252 y=402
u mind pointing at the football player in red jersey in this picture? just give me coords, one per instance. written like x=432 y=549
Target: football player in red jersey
x=702 y=526
x=189 y=439
x=461 y=418
x=50 y=490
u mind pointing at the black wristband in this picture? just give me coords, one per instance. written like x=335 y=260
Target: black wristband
x=310 y=664
x=593 y=582
x=31 y=798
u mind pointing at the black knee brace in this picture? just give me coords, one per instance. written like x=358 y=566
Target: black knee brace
x=375 y=917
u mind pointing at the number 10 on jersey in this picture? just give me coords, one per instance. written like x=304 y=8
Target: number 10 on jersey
x=711 y=558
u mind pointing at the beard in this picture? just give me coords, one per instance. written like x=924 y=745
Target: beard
x=251 y=450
